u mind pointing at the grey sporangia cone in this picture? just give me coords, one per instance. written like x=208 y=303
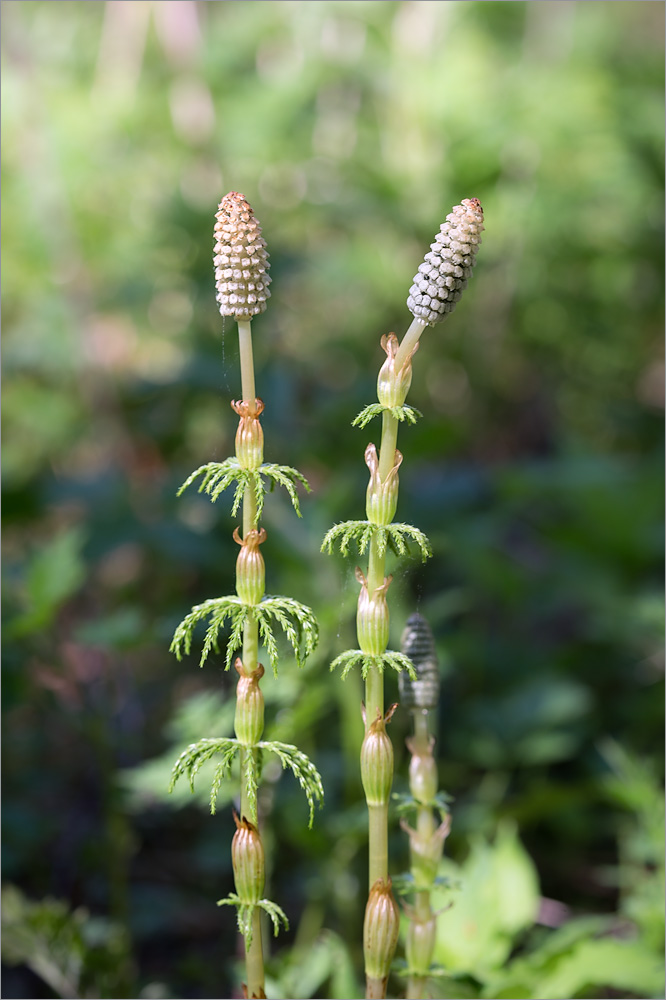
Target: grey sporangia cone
x=241 y=261
x=443 y=275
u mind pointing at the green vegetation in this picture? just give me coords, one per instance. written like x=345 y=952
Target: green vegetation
x=536 y=474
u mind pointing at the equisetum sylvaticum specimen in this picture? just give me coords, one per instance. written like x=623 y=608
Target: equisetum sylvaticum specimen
x=242 y=280
x=437 y=287
x=425 y=803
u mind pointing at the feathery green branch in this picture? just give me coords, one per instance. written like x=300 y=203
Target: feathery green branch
x=394 y=536
x=191 y=759
x=218 y=476
x=296 y=620
x=356 y=657
x=401 y=413
x=246 y=910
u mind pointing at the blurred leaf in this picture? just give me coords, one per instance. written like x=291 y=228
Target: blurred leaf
x=52 y=576
x=147 y=784
x=120 y=630
x=535 y=724
x=622 y=965
x=76 y=955
x=573 y=960
x=498 y=897
x=45 y=936
x=517 y=881
x=306 y=971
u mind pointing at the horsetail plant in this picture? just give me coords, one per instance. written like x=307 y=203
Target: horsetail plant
x=436 y=288
x=242 y=280
x=420 y=697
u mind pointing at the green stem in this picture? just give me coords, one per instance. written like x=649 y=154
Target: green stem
x=249 y=511
x=417 y=988
x=254 y=956
x=417 y=985
x=409 y=341
x=421 y=732
x=374 y=695
x=254 y=959
x=378 y=831
x=246 y=361
x=374 y=682
x=388 y=444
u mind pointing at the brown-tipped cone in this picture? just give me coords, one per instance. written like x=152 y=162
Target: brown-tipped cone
x=249 y=717
x=381 y=498
x=377 y=763
x=247 y=860
x=426 y=851
x=443 y=275
x=392 y=385
x=420 y=944
x=372 y=616
x=422 y=771
x=250 y=566
x=249 y=436
x=241 y=261
x=380 y=930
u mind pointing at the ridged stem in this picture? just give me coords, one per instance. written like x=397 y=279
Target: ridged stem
x=421 y=914
x=421 y=731
x=409 y=341
x=374 y=683
x=388 y=445
x=417 y=988
x=378 y=833
x=246 y=360
x=254 y=958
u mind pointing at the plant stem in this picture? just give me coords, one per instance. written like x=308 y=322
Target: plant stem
x=378 y=834
x=375 y=989
x=374 y=683
x=251 y=631
x=416 y=987
x=421 y=732
x=426 y=825
x=246 y=360
x=388 y=443
x=409 y=341
x=254 y=958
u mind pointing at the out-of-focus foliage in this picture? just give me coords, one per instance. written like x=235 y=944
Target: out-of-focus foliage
x=74 y=954
x=536 y=470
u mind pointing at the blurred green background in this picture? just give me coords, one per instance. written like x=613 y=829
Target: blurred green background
x=536 y=471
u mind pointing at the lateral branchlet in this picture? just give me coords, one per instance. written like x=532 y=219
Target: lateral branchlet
x=296 y=620
x=218 y=476
x=357 y=658
x=245 y=911
x=401 y=413
x=394 y=536
x=191 y=759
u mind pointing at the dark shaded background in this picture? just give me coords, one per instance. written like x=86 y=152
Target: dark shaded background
x=536 y=471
